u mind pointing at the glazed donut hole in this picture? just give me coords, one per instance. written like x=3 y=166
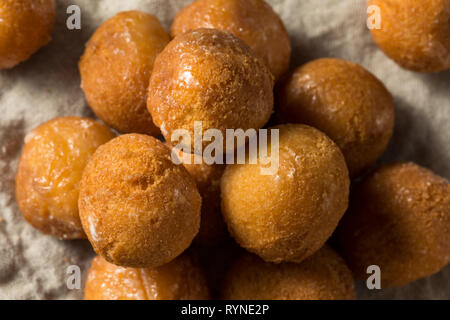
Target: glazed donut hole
x=414 y=33
x=137 y=207
x=323 y=276
x=180 y=279
x=115 y=70
x=346 y=102
x=253 y=21
x=288 y=214
x=49 y=173
x=25 y=27
x=210 y=77
x=398 y=220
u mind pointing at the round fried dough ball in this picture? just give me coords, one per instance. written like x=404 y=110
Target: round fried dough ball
x=180 y=279
x=212 y=77
x=25 y=27
x=415 y=33
x=289 y=214
x=323 y=276
x=346 y=102
x=115 y=70
x=207 y=177
x=137 y=207
x=253 y=21
x=399 y=220
x=49 y=173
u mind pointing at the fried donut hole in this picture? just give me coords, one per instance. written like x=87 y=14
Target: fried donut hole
x=414 y=33
x=323 y=276
x=49 y=173
x=399 y=220
x=289 y=214
x=115 y=70
x=137 y=207
x=209 y=77
x=346 y=102
x=25 y=27
x=180 y=279
x=253 y=21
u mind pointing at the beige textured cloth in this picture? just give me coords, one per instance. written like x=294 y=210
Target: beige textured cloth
x=33 y=266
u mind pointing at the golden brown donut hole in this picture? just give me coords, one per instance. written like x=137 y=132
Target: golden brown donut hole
x=180 y=279
x=212 y=77
x=346 y=102
x=288 y=215
x=253 y=21
x=323 y=276
x=115 y=70
x=415 y=33
x=25 y=27
x=137 y=207
x=399 y=220
x=49 y=174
